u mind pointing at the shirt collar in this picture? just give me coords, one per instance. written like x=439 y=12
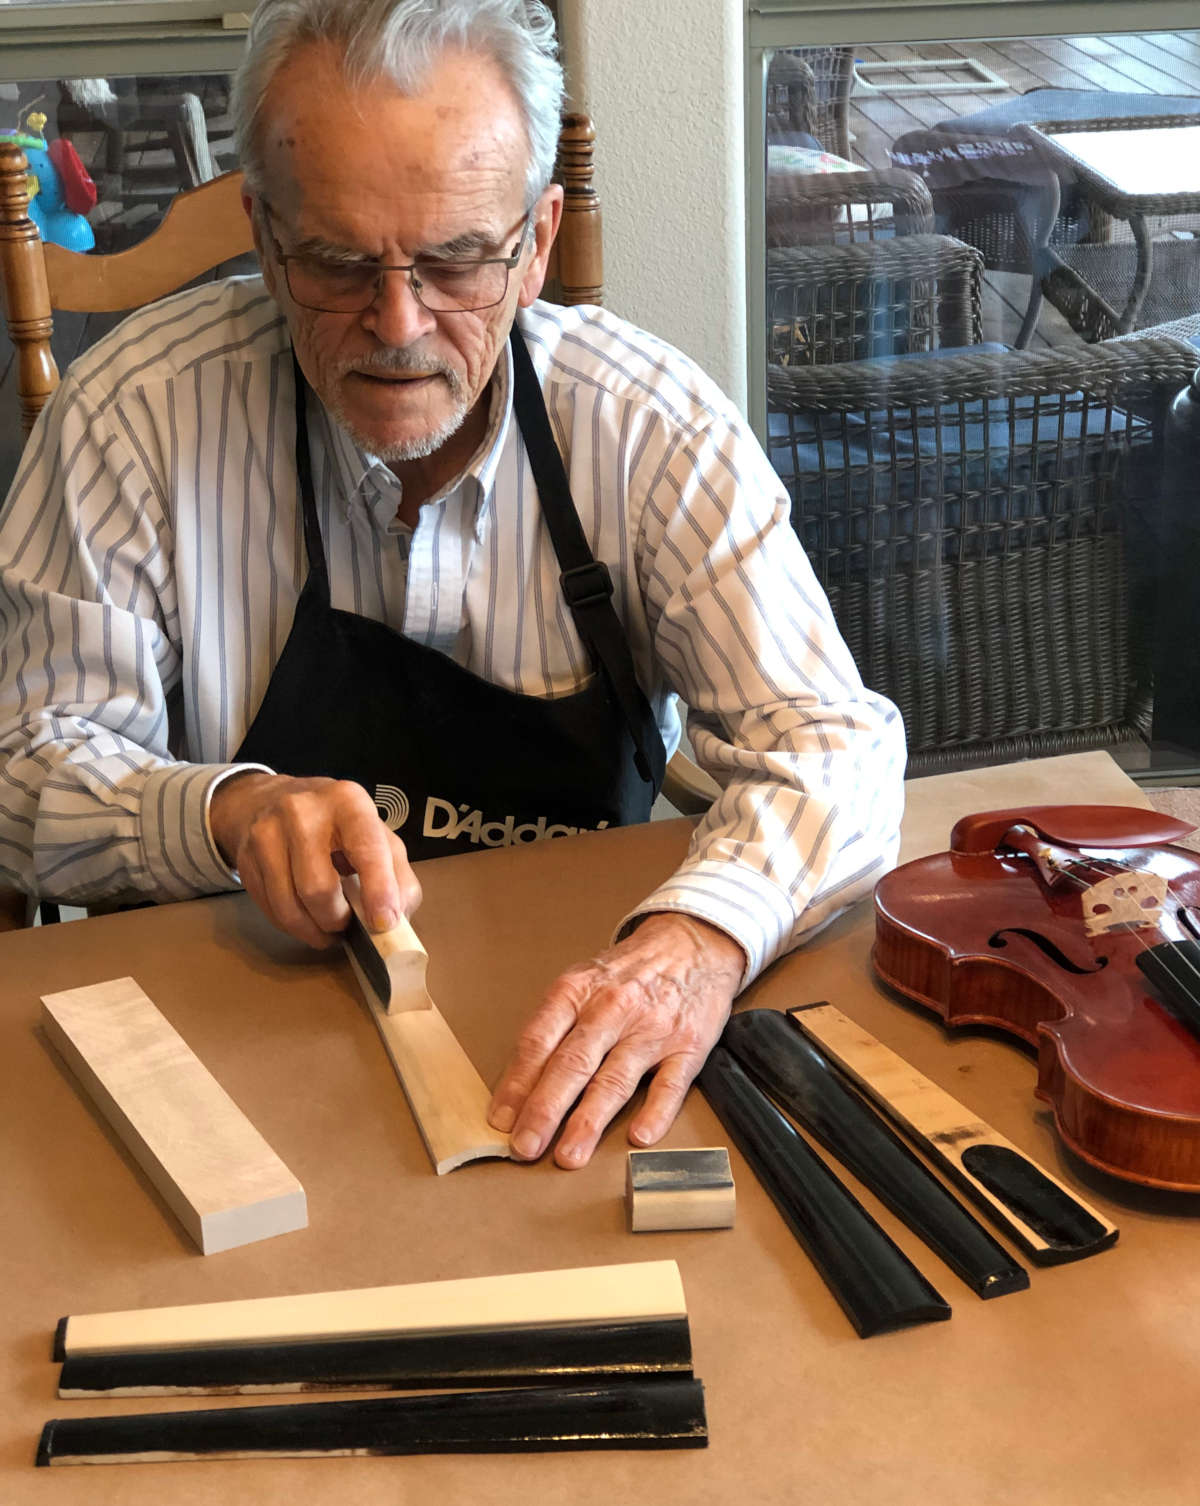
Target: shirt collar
x=360 y=475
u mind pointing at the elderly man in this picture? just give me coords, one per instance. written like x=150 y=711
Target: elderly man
x=300 y=575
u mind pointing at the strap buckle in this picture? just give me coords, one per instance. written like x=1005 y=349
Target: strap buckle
x=585 y=585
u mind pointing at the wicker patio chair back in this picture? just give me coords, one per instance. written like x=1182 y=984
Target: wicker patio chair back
x=986 y=527
x=906 y=296
x=808 y=89
x=822 y=209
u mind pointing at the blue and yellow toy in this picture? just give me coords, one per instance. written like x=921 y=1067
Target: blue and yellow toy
x=60 y=189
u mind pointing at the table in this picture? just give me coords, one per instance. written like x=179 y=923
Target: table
x=1133 y=169
x=1081 y=1389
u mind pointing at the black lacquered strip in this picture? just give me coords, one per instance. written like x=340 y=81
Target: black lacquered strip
x=1070 y=1231
x=878 y=1287
x=366 y=954
x=562 y=1352
x=629 y=1414
x=805 y=1083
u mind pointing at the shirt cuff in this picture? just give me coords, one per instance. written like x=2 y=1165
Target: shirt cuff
x=736 y=900
x=177 y=842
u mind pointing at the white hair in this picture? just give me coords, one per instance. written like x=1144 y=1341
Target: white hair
x=401 y=40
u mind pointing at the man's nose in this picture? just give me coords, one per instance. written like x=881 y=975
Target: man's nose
x=397 y=316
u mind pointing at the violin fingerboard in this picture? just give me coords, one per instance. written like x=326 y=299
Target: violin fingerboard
x=1045 y=1217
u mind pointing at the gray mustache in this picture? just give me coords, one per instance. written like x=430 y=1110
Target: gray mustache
x=395 y=360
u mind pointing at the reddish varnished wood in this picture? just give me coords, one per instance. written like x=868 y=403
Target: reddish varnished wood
x=1120 y=1072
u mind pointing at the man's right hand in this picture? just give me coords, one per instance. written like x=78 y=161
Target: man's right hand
x=291 y=840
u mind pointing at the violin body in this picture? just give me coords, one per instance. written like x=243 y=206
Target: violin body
x=1000 y=931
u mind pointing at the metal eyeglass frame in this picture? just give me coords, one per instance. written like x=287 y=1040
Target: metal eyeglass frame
x=509 y=263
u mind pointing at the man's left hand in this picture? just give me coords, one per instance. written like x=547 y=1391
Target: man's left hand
x=658 y=999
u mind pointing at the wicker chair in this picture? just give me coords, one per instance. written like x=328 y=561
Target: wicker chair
x=819 y=209
x=915 y=294
x=808 y=101
x=986 y=527
x=808 y=93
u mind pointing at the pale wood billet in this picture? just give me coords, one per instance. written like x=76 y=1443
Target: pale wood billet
x=679 y=1189
x=214 y=1170
x=945 y=1127
x=633 y=1291
x=401 y=953
x=448 y=1098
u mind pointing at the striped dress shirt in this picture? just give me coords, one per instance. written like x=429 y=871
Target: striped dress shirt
x=152 y=554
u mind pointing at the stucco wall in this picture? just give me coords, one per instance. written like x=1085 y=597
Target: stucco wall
x=662 y=79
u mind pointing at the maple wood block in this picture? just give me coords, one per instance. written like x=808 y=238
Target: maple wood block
x=214 y=1170
x=679 y=1189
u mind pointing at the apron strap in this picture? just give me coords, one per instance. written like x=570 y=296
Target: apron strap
x=585 y=581
x=318 y=570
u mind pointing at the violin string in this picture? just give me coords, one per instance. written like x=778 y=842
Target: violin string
x=1129 y=927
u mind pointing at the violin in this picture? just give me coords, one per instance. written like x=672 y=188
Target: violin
x=1076 y=929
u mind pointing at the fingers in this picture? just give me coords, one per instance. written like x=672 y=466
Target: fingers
x=535 y=1046
x=664 y=1098
x=654 y=1001
x=292 y=839
x=612 y=1086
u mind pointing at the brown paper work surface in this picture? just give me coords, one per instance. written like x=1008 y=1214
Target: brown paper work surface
x=1081 y=1390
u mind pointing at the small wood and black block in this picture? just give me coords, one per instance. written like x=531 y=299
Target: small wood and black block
x=679 y=1189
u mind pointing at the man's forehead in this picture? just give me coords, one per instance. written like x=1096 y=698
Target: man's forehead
x=461 y=134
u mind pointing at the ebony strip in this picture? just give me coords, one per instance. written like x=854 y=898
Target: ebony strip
x=807 y=1085
x=1070 y=1229
x=876 y=1284
x=632 y=1414
x=498 y=1357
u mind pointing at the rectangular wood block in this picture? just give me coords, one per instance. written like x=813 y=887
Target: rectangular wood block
x=214 y=1170
x=679 y=1189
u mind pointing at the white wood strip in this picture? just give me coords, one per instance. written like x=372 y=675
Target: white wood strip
x=588 y=1294
x=448 y=1098
x=214 y=1170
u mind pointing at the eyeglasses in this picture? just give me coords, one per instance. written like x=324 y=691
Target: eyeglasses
x=443 y=287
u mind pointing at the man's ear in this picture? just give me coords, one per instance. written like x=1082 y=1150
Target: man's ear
x=253 y=209
x=547 y=217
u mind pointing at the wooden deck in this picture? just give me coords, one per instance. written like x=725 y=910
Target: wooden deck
x=1150 y=63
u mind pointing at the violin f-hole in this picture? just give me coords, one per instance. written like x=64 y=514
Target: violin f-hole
x=1046 y=946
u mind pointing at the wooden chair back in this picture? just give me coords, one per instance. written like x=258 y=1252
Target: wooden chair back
x=203 y=228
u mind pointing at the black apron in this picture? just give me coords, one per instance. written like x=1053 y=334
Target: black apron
x=453 y=762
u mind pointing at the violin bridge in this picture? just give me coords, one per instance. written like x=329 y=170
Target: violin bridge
x=1124 y=900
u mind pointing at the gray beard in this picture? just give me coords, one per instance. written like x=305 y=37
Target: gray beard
x=406 y=361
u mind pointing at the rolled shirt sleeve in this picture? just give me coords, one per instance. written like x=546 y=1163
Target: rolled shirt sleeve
x=92 y=804
x=809 y=762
